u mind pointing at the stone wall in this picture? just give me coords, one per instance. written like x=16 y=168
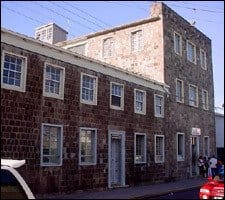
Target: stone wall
x=23 y=114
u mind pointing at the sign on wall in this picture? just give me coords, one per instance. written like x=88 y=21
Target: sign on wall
x=195 y=131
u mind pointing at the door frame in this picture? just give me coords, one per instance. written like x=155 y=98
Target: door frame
x=197 y=152
x=122 y=134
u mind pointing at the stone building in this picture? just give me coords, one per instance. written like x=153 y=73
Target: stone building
x=136 y=107
x=170 y=50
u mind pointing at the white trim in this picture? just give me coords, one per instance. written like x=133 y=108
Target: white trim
x=123 y=172
x=182 y=90
x=61 y=84
x=58 y=53
x=78 y=44
x=113 y=47
x=135 y=146
x=156 y=114
x=61 y=144
x=181 y=158
x=207 y=100
x=205 y=59
x=195 y=61
x=23 y=79
x=95 y=94
x=122 y=96
x=180 y=43
x=196 y=95
x=95 y=147
x=143 y=112
x=162 y=136
x=207 y=146
x=20 y=179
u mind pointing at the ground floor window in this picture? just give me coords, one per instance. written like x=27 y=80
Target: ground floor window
x=180 y=146
x=159 y=148
x=140 y=148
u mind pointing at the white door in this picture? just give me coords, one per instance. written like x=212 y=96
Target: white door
x=116 y=159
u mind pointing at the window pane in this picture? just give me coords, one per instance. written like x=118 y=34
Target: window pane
x=179 y=91
x=116 y=101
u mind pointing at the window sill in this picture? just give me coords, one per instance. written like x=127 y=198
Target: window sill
x=116 y=107
x=88 y=102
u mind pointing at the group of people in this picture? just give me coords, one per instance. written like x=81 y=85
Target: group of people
x=209 y=167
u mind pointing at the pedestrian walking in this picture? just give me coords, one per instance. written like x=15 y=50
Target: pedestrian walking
x=201 y=166
x=212 y=165
x=206 y=167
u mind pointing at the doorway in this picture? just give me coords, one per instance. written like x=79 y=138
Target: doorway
x=194 y=153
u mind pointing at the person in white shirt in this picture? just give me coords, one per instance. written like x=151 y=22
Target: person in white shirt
x=212 y=165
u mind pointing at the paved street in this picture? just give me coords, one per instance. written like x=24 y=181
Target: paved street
x=187 y=194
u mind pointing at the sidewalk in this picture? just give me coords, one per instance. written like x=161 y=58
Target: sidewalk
x=136 y=192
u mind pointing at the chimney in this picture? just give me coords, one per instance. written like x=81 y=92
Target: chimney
x=156 y=9
x=50 y=33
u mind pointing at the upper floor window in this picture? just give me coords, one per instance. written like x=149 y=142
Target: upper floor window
x=191 y=52
x=206 y=146
x=51 y=145
x=180 y=146
x=13 y=71
x=205 y=103
x=136 y=41
x=193 y=95
x=88 y=144
x=159 y=105
x=179 y=91
x=203 y=59
x=140 y=148
x=177 y=43
x=54 y=77
x=49 y=33
x=159 y=148
x=88 y=89
x=108 y=47
x=139 y=101
x=116 y=96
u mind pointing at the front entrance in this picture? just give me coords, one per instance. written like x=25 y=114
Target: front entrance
x=116 y=159
x=194 y=150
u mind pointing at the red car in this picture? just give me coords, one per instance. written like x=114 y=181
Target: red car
x=213 y=189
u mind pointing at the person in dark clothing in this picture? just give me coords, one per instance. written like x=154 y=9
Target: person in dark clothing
x=206 y=167
x=201 y=166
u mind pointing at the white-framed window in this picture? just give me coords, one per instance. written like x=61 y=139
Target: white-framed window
x=205 y=101
x=88 y=89
x=13 y=71
x=87 y=146
x=54 y=78
x=51 y=144
x=159 y=105
x=191 y=52
x=177 y=43
x=193 y=95
x=116 y=96
x=43 y=35
x=203 y=59
x=136 y=41
x=139 y=101
x=179 y=91
x=206 y=146
x=140 y=148
x=180 y=146
x=49 y=33
x=159 y=148
x=108 y=47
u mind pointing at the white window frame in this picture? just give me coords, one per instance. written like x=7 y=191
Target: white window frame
x=135 y=147
x=162 y=136
x=140 y=43
x=61 y=144
x=190 y=85
x=22 y=87
x=180 y=43
x=62 y=82
x=206 y=105
x=143 y=112
x=204 y=53
x=122 y=97
x=95 y=93
x=111 y=46
x=195 y=60
x=207 y=146
x=181 y=157
x=156 y=114
x=95 y=147
x=182 y=91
